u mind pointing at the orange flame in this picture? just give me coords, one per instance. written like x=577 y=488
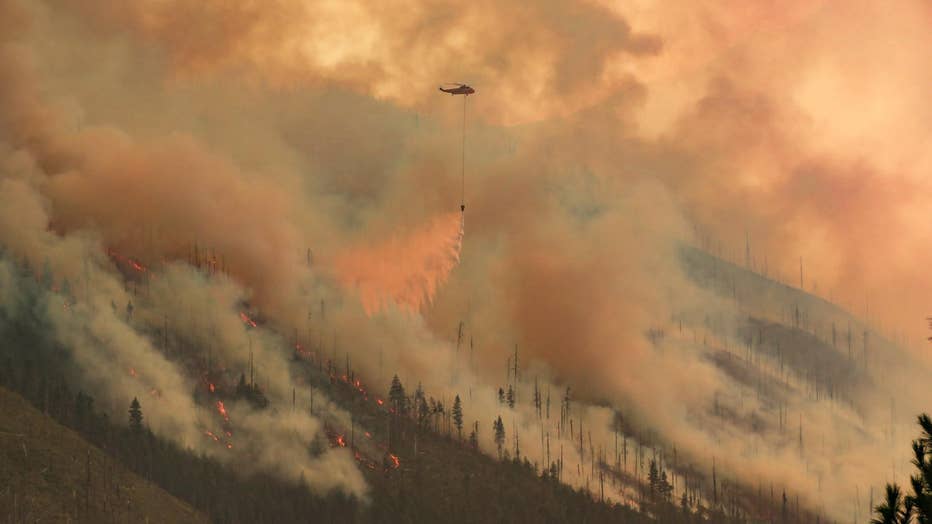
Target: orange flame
x=340 y=441
x=396 y=463
x=222 y=410
x=133 y=263
x=409 y=270
x=246 y=320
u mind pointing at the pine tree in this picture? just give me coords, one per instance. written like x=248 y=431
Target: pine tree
x=135 y=416
x=921 y=483
x=666 y=489
x=458 y=416
x=499 y=428
x=423 y=412
x=892 y=510
x=653 y=478
x=396 y=395
x=897 y=509
x=511 y=396
x=501 y=396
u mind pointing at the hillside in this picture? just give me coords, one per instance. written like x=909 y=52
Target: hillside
x=771 y=338
x=44 y=470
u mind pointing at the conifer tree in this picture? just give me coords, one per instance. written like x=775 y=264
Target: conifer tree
x=396 y=395
x=423 y=412
x=474 y=439
x=135 y=416
x=921 y=498
x=458 y=416
x=892 y=510
x=499 y=428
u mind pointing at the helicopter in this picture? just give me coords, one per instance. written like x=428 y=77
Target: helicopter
x=457 y=89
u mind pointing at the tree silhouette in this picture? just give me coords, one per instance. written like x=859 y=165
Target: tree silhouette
x=135 y=415
x=458 y=416
x=499 y=429
x=474 y=436
x=396 y=394
x=900 y=509
x=892 y=510
x=921 y=482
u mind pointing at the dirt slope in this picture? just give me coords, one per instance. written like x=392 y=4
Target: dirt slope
x=44 y=476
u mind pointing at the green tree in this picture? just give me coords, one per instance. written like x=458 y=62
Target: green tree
x=135 y=416
x=458 y=416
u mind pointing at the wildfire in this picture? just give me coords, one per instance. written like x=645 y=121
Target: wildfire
x=379 y=401
x=132 y=372
x=211 y=387
x=395 y=462
x=131 y=262
x=211 y=434
x=340 y=441
x=246 y=320
x=222 y=410
x=299 y=349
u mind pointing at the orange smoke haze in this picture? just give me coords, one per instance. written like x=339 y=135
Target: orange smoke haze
x=406 y=270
